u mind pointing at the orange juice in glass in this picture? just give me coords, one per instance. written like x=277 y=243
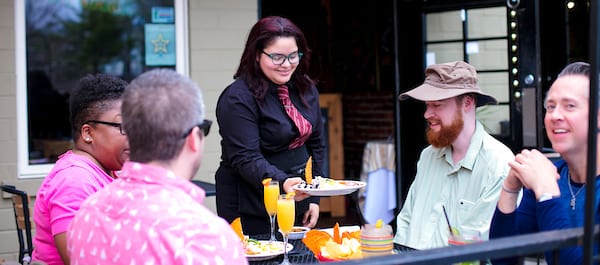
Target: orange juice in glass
x=271 y=194
x=286 y=212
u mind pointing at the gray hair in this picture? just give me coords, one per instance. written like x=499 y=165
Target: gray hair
x=576 y=68
x=159 y=107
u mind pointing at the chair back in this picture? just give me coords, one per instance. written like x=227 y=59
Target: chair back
x=22 y=212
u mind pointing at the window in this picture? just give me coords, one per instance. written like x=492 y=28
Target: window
x=477 y=36
x=58 y=42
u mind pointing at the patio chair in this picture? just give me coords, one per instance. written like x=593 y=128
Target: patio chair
x=22 y=212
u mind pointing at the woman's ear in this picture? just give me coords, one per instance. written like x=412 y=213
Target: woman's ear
x=86 y=133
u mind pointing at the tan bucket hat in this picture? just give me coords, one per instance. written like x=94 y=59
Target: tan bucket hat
x=449 y=80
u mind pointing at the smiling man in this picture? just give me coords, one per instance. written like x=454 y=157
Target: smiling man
x=554 y=193
x=462 y=169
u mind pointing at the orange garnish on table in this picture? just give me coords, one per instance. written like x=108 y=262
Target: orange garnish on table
x=266 y=181
x=326 y=248
x=308 y=171
x=336 y=233
x=236 y=225
x=314 y=239
x=351 y=235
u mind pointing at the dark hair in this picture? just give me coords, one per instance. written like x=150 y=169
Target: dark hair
x=576 y=68
x=91 y=97
x=263 y=33
x=159 y=107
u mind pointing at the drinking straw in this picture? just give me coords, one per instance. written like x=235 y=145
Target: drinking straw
x=447 y=220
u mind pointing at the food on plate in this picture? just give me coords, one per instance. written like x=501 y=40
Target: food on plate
x=297 y=229
x=255 y=247
x=339 y=247
x=325 y=183
x=298 y=232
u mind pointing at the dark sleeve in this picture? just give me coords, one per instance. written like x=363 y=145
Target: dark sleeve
x=238 y=117
x=503 y=225
x=552 y=217
x=522 y=221
x=316 y=142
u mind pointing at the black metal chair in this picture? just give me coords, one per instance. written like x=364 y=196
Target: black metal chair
x=20 y=201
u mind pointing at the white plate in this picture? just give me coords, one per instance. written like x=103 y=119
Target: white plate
x=342 y=187
x=270 y=254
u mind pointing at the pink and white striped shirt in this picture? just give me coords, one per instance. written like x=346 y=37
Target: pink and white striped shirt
x=150 y=216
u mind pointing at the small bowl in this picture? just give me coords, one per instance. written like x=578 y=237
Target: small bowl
x=298 y=232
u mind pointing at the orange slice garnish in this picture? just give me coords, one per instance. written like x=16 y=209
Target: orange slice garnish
x=308 y=170
x=290 y=195
x=336 y=233
x=266 y=181
x=314 y=239
x=236 y=225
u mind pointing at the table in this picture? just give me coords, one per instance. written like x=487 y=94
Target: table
x=301 y=254
x=209 y=188
x=379 y=171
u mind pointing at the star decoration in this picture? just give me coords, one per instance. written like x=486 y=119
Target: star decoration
x=160 y=44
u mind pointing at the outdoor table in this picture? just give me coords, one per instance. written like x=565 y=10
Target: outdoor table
x=301 y=254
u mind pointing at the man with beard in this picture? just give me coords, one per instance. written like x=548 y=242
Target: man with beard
x=462 y=170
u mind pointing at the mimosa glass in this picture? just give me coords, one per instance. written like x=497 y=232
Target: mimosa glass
x=286 y=212
x=271 y=194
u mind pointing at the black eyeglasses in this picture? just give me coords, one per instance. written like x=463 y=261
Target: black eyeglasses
x=113 y=124
x=204 y=126
x=279 y=59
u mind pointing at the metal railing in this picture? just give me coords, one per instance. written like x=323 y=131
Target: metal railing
x=516 y=246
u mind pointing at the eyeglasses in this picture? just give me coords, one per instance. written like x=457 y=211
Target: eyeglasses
x=113 y=124
x=279 y=59
x=204 y=126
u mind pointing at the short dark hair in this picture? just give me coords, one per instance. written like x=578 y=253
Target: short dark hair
x=159 y=107
x=262 y=34
x=91 y=97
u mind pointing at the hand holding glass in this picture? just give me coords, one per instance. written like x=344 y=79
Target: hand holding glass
x=286 y=212
x=271 y=194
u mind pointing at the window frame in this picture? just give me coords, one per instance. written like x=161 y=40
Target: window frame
x=28 y=171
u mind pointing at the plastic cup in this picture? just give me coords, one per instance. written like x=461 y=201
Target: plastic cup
x=465 y=237
x=376 y=241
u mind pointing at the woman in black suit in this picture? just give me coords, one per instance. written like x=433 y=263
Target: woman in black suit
x=259 y=138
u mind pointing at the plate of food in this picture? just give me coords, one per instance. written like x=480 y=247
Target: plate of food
x=257 y=250
x=320 y=186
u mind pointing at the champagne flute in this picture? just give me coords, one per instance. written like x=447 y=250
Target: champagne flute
x=285 y=218
x=271 y=194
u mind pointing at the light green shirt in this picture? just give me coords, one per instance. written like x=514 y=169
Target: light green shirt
x=468 y=190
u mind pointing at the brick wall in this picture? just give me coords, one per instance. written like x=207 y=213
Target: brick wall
x=367 y=116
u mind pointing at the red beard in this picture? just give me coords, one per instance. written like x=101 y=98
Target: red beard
x=447 y=134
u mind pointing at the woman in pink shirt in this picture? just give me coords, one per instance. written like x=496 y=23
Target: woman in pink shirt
x=153 y=214
x=100 y=149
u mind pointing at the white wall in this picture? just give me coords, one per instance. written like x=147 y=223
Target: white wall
x=218 y=30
